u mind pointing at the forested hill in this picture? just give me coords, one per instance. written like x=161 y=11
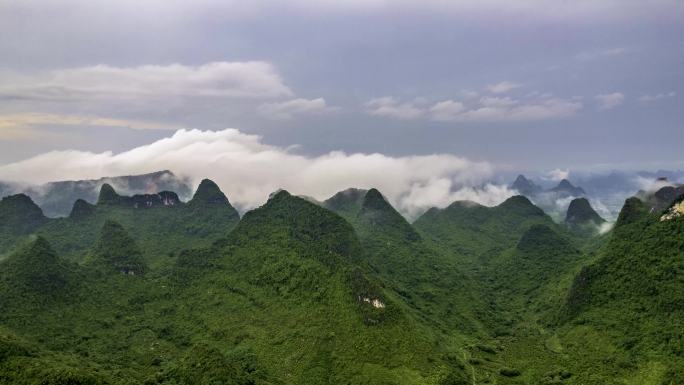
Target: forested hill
x=150 y=289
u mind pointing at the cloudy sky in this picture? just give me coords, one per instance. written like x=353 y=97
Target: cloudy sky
x=525 y=85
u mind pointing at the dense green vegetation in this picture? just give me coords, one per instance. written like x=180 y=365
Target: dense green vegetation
x=160 y=223
x=150 y=290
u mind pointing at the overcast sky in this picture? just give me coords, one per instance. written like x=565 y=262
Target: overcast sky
x=520 y=85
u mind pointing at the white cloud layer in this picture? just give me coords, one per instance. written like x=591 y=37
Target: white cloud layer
x=288 y=109
x=446 y=111
x=485 y=109
x=249 y=170
x=609 y=101
x=558 y=174
x=252 y=79
x=653 y=98
x=39 y=119
x=503 y=87
x=390 y=107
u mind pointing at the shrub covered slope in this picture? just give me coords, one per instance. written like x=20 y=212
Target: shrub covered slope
x=150 y=290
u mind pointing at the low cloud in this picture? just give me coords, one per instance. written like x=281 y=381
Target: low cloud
x=440 y=192
x=653 y=98
x=503 y=87
x=651 y=185
x=249 y=170
x=446 y=111
x=390 y=107
x=493 y=109
x=289 y=109
x=26 y=120
x=609 y=101
x=12 y=133
x=251 y=79
x=558 y=174
x=597 y=54
x=30 y=126
x=484 y=109
x=605 y=227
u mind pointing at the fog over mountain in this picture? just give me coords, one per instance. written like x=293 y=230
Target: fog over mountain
x=357 y=192
x=249 y=170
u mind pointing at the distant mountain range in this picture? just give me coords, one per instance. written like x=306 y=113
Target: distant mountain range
x=150 y=288
x=564 y=188
x=56 y=198
x=553 y=200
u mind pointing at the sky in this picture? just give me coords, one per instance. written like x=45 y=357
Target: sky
x=531 y=85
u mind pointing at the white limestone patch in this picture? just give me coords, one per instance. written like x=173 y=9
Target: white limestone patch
x=376 y=303
x=676 y=211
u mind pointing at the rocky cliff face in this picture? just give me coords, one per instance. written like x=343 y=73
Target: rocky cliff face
x=139 y=201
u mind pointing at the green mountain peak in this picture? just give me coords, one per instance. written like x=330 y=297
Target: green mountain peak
x=580 y=212
x=520 y=204
x=373 y=200
x=314 y=230
x=18 y=214
x=377 y=215
x=346 y=202
x=632 y=211
x=35 y=268
x=81 y=210
x=117 y=250
x=108 y=195
x=209 y=193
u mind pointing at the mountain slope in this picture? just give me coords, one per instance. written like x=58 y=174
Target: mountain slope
x=581 y=213
x=33 y=274
x=632 y=293
x=284 y=298
x=432 y=284
x=56 y=198
x=346 y=203
x=565 y=188
x=116 y=250
x=475 y=232
x=19 y=217
x=160 y=223
x=525 y=186
x=148 y=289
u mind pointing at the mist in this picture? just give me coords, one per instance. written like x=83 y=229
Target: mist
x=248 y=170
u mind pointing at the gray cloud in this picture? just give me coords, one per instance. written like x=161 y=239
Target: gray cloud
x=390 y=107
x=346 y=53
x=485 y=109
x=446 y=111
x=503 y=87
x=290 y=108
x=150 y=82
x=652 y=98
x=609 y=101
